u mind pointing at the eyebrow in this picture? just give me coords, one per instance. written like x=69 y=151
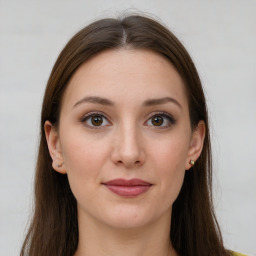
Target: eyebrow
x=152 y=102
x=95 y=100
x=107 y=102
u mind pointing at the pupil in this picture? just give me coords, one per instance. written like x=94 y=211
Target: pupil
x=157 y=120
x=97 y=120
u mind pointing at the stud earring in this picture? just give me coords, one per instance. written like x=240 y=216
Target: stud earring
x=192 y=162
x=59 y=165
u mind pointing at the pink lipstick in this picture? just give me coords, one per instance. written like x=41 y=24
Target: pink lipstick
x=128 y=188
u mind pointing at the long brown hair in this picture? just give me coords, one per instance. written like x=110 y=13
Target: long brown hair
x=54 y=227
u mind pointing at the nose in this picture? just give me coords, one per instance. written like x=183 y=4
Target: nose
x=128 y=148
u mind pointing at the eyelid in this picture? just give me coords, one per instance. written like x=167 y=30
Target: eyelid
x=93 y=113
x=164 y=114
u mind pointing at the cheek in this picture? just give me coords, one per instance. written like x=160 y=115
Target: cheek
x=170 y=161
x=83 y=159
x=81 y=150
x=172 y=152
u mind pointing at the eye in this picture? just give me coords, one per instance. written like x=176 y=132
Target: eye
x=95 y=120
x=161 y=120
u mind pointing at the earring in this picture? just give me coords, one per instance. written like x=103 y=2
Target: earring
x=59 y=165
x=192 y=162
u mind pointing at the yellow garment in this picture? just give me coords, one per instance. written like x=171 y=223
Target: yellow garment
x=237 y=254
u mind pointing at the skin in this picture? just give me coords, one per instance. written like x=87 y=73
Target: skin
x=126 y=145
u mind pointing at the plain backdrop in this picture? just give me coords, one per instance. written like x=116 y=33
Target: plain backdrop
x=221 y=38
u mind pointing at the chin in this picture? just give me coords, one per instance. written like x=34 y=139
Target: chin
x=128 y=218
x=127 y=223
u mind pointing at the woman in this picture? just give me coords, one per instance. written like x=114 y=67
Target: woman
x=124 y=163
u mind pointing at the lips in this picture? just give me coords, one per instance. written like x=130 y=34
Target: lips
x=128 y=188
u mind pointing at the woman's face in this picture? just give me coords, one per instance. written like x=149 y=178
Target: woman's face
x=125 y=138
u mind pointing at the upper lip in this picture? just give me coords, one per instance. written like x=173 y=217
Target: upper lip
x=124 y=182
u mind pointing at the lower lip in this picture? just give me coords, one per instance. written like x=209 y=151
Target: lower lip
x=128 y=191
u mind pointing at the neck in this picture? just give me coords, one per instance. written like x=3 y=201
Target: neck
x=151 y=240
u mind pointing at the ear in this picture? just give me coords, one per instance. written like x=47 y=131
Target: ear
x=54 y=147
x=196 y=144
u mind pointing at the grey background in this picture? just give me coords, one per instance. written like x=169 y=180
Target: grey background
x=220 y=36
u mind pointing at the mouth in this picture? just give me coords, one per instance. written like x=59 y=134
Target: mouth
x=128 y=188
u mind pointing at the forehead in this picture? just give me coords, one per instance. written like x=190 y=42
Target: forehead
x=126 y=74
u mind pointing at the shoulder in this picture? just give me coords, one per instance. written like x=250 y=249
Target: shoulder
x=237 y=254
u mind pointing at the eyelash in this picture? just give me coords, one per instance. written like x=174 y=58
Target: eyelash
x=90 y=115
x=164 y=115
